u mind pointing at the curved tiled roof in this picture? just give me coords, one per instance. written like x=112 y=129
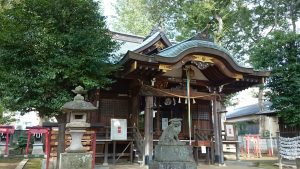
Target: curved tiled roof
x=175 y=50
x=151 y=40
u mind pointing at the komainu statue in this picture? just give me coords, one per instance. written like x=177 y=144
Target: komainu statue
x=170 y=134
x=170 y=152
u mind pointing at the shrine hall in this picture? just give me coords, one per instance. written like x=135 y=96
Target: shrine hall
x=158 y=81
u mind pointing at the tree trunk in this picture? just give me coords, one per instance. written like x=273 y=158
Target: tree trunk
x=220 y=28
x=61 y=119
x=260 y=98
x=293 y=16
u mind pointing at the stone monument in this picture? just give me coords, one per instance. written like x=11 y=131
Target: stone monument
x=171 y=153
x=77 y=113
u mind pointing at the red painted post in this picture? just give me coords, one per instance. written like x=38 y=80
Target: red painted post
x=28 y=140
x=46 y=144
x=47 y=149
x=6 y=144
x=94 y=151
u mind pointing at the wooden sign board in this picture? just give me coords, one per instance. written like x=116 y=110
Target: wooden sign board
x=230 y=131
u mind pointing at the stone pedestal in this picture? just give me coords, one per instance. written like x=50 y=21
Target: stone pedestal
x=75 y=160
x=173 y=165
x=102 y=167
x=37 y=148
x=2 y=148
x=76 y=145
x=52 y=164
x=298 y=163
x=173 y=157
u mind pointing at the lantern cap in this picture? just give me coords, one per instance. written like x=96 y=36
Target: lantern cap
x=78 y=104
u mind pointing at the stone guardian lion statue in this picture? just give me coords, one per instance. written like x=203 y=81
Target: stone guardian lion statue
x=170 y=134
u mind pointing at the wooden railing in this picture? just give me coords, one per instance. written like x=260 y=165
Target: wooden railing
x=203 y=134
x=139 y=141
x=134 y=141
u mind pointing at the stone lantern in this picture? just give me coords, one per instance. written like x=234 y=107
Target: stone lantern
x=77 y=121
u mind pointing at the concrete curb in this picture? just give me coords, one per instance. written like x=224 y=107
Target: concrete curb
x=22 y=164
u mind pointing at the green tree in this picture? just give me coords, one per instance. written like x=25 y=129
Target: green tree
x=5 y=116
x=48 y=48
x=280 y=53
x=4 y=4
x=237 y=24
x=132 y=17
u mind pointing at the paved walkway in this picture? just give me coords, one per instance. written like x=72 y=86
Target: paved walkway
x=229 y=165
x=22 y=164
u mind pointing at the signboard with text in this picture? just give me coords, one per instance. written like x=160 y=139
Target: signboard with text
x=230 y=131
x=164 y=123
x=118 y=129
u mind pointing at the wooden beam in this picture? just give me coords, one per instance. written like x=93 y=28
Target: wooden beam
x=151 y=91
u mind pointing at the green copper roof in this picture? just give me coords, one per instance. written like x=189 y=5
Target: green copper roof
x=175 y=50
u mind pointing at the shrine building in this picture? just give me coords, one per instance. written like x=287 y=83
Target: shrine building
x=160 y=80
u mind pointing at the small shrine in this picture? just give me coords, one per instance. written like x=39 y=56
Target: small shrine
x=38 y=146
x=5 y=132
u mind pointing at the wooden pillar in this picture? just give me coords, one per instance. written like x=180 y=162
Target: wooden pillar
x=114 y=152
x=148 y=142
x=220 y=132
x=131 y=151
x=219 y=158
x=158 y=118
x=216 y=129
x=105 y=161
x=134 y=116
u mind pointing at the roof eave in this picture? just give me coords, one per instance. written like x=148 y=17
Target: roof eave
x=215 y=52
x=153 y=41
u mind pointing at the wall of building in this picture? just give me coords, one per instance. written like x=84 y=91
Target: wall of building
x=268 y=125
x=264 y=124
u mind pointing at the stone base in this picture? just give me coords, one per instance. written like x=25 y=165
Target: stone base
x=173 y=165
x=173 y=157
x=2 y=149
x=173 y=153
x=37 y=149
x=52 y=164
x=298 y=163
x=75 y=160
x=102 y=167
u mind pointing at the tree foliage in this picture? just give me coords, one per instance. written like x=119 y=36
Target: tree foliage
x=4 y=4
x=49 y=47
x=237 y=25
x=132 y=17
x=280 y=53
x=5 y=116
